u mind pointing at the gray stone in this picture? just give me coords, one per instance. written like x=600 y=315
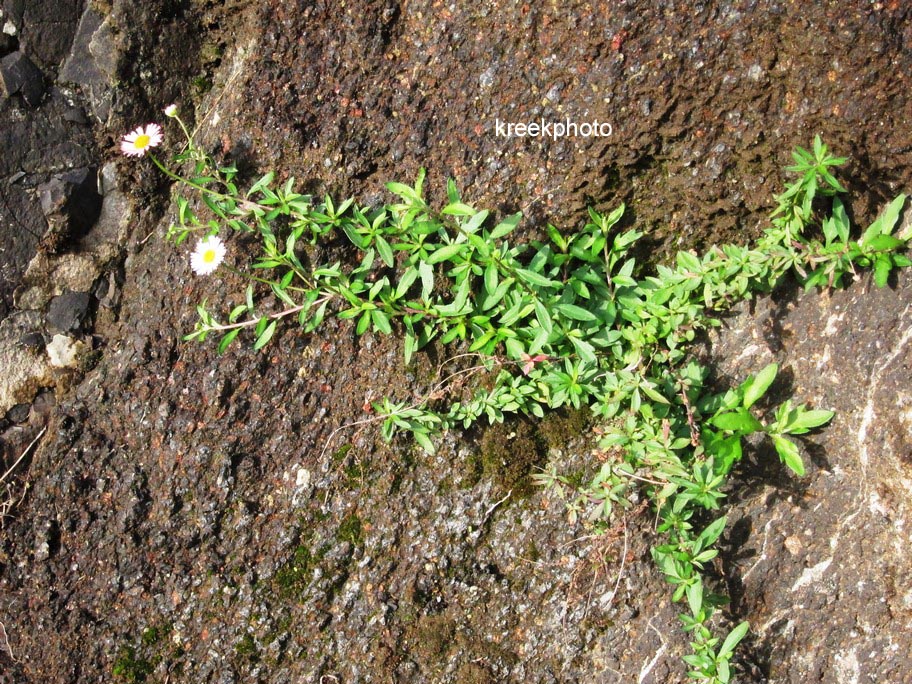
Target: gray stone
x=21 y=227
x=19 y=413
x=92 y=62
x=71 y=203
x=47 y=30
x=33 y=340
x=19 y=75
x=68 y=312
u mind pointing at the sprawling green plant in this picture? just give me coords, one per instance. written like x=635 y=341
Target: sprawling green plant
x=571 y=321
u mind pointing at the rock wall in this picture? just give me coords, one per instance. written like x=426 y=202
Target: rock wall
x=188 y=519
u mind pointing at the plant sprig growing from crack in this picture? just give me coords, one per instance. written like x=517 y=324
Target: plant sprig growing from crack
x=573 y=320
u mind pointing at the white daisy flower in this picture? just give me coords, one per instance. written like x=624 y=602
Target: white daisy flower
x=207 y=256
x=171 y=110
x=137 y=143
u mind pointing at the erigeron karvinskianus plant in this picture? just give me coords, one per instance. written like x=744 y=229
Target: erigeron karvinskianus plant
x=570 y=321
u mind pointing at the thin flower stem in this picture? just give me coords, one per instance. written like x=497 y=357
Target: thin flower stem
x=249 y=324
x=180 y=122
x=257 y=279
x=209 y=191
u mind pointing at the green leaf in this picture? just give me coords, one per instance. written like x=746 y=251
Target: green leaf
x=695 y=597
x=457 y=209
x=265 y=336
x=409 y=347
x=653 y=393
x=490 y=278
x=732 y=640
x=264 y=182
x=404 y=191
x=711 y=533
x=386 y=253
x=543 y=317
x=425 y=442
x=228 y=339
x=585 y=350
x=557 y=238
x=689 y=262
x=882 y=267
x=575 y=312
x=445 y=252
x=483 y=248
x=281 y=294
x=757 y=387
x=807 y=420
x=737 y=421
x=615 y=216
x=363 y=323
x=883 y=225
x=788 y=452
x=840 y=220
x=882 y=243
x=506 y=226
x=381 y=322
x=452 y=191
x=535 y=278
x=427 y=279
x=475 y=222
x=405 y=282
x=514 y=347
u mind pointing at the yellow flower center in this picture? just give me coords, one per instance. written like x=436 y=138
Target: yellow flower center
x=142 y=142
x=209 y=256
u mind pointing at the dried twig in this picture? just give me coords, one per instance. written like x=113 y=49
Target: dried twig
x=22 y=455
x=9 y=501
x=6 y=643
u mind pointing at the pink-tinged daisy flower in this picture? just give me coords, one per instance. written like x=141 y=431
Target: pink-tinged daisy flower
x=207 y=256
x=136 y=143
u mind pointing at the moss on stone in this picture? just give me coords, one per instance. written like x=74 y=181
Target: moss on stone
x=558 y=428
x=508 y=455
x=292 y=579
x=131 y=667
x=247 y=648
x=350 y=530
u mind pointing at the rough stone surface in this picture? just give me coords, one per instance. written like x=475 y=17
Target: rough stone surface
x=36 y=146
x=65 y=352
x=188 y=517
x=71 y=204
x=21 y=226
x=19 y=413
x=49 y=276
x=24 y=371
x=836 y=542
x=91 y=63
x=47 y=28
x=19 y=76
x=68 y=311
